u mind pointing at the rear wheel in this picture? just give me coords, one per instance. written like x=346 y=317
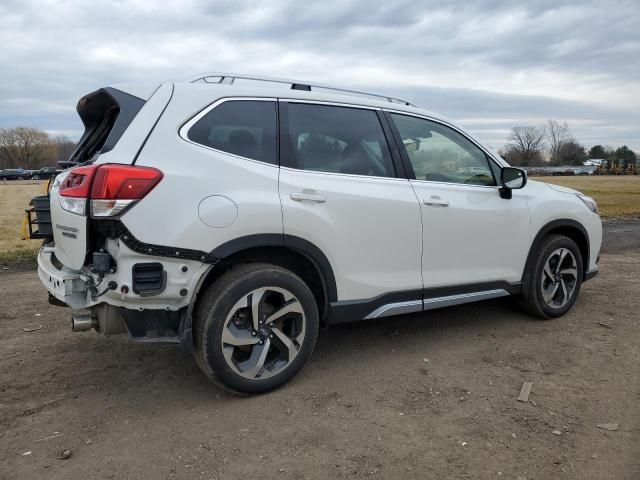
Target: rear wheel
x=555 y=278
x=256 y=326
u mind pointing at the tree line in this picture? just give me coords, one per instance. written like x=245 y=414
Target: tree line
x=553 y=144
x=549 y=144
x=30 y=148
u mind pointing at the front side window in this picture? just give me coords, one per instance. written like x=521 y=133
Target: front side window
x=241 y=127
x=440 y=154
x=332 y=139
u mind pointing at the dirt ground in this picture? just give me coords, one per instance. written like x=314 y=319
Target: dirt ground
x=424 y=396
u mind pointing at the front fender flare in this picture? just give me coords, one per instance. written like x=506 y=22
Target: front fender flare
x=544 y=231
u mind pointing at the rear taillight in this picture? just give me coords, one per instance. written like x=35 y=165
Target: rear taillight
x=78 y=182
x=115 y=187
x=75 y=189
x=110 y=187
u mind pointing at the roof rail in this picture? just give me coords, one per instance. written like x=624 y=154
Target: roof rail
x=229 y=78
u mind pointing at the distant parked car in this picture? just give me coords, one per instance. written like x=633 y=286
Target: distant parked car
x=45 y=172
x=14 y=174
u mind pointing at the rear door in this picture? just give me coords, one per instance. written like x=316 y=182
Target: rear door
x=340 y=191
x=472 y=236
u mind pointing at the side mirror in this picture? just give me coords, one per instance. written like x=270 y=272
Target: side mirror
x=511 y=179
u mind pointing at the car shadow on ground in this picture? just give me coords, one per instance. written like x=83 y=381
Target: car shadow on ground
x=116 y=364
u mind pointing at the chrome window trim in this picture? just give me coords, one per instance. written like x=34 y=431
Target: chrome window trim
x=340 y=174
x=183 y=132
x=465 y=185
x=329 y=103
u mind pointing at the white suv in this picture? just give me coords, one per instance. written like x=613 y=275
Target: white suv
x=234 y=215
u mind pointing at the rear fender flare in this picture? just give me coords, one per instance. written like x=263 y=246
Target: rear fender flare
x=299 y=245
x=314 y=254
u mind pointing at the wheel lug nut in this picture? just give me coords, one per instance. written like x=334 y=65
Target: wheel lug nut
x=261 y=342
x=253 y=333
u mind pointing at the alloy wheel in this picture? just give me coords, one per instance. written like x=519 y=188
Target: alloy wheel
x=559 y=278
x=263 y=333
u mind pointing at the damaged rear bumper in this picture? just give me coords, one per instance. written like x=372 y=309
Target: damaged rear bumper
x=143 y=324
x=67 y=286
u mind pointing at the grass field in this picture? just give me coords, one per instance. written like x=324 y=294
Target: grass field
x=617 y=196
x=14 y=199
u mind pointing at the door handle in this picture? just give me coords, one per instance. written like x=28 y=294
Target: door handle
x=435 y=201
x=308 y=197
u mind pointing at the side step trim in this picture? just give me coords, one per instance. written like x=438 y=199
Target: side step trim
x=433 y=303
x=396 y=309
x=413 y=306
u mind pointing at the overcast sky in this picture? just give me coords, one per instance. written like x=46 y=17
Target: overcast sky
x=488 y=64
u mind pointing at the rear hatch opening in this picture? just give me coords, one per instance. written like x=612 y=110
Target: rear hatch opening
x=106 y=114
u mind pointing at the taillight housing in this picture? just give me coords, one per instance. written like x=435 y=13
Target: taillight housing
x=76 y=188
x=111 y=188
x=77 y=183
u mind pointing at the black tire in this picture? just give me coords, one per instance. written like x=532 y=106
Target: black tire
x=211 y=319
x=532 y=298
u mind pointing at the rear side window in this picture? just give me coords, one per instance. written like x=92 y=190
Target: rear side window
x=246 y=128
x=337 y=140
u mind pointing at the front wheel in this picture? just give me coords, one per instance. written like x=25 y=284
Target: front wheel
x=555 y=278
x=256 y=327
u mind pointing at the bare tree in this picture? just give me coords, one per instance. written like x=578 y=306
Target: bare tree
x=8 y=151
x=525 y=146
x=25 y=147
x=64 y=147
x=557 y=134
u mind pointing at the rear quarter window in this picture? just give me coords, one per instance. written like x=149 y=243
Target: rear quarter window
x=246 y=128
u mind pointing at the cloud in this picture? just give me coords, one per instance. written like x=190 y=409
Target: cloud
x=492 y=64
x=490 y=116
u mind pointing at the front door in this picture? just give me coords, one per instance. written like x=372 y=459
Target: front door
x=472 y=236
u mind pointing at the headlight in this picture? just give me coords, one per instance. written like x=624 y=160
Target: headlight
x=589 y=202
